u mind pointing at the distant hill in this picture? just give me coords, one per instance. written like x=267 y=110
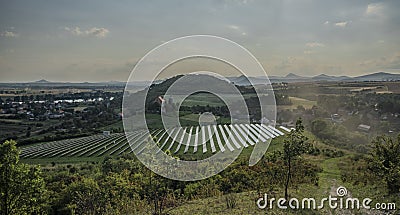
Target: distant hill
x=43 y=81
x=187 y=83
x=379 y=76
x=243 y=80
x=46 y=83
x=238 y=80
x=292 y=75
x=323 y=77
x=292 y=78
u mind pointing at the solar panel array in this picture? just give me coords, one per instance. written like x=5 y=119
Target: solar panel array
x=195 y=139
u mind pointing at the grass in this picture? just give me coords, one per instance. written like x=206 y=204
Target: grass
x=190 y=117
x=246 y=204
x=296 y=101
x=202 y=99
x=116 y=126
x=62 y=160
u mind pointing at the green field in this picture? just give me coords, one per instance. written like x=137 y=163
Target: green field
x=296 y=101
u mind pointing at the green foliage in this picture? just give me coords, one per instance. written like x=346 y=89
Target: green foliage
x=295 y=143
x=355 y=170
x=203 y=189
x=385 y=161
x=293 y=146
x=84 y=197
x=339 y=136
x=282 y=99
x=22 y=187
x=320 y=127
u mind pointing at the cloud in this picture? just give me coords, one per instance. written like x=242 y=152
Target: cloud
x=74 y=31
x=245 y=1
x=234 y=27
x=238 y=2
x=312 y=46
x=374 y=9
x=238 y=29
x=94 y=32
x=315 y=44
x=342 y=24
x=98 y=32
x=9 y=34
x=385 y=62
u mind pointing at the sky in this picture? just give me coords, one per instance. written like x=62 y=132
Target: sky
x=101 y=40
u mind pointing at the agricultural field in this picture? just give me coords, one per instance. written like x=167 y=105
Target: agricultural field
x=296 y=101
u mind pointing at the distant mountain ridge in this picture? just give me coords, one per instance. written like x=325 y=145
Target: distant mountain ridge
x=379 y=76
x=292 y=75
x=292 y=78
x=238 y=80
x=42 y=81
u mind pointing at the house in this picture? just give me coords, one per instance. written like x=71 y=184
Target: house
x=364 y=128
x=289 y=124
x=336 y=118
x=264 y=120
x=161 y=101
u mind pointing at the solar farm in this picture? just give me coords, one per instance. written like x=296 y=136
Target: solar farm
x=194 y=139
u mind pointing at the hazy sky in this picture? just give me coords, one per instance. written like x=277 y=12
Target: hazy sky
x=102 y=40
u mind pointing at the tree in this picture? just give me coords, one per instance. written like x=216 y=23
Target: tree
x=318 y=126
x=84 y=196
x=22 y=188
x=301 y=108
x=385 y=161
x=293 y=146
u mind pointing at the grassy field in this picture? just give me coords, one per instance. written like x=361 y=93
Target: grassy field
x=202 y=99
x=62 y=160
x=116 y=126
x=296 y=101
